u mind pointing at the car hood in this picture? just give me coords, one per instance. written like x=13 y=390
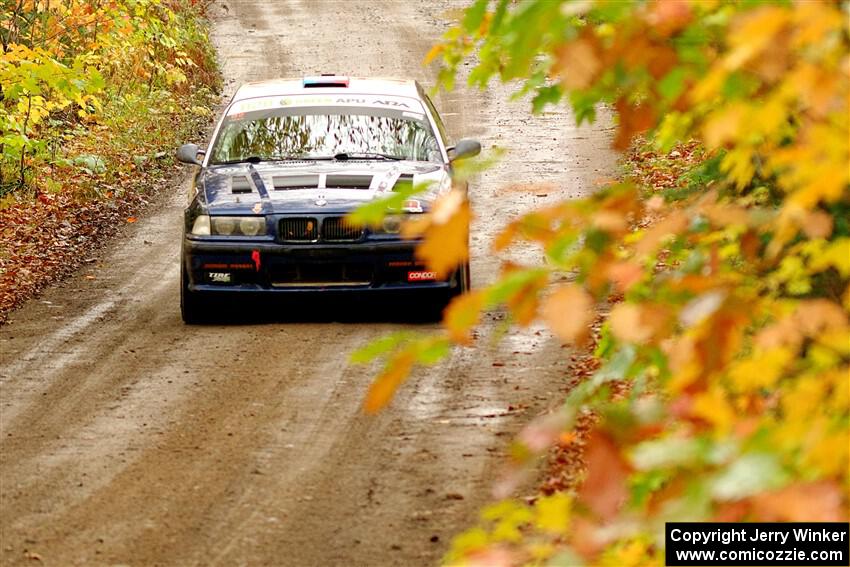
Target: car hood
x=314 y=187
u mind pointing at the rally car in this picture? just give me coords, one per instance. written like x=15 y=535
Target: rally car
x=289 y=159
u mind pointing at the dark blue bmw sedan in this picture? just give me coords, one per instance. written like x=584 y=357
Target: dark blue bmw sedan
x=288 y=161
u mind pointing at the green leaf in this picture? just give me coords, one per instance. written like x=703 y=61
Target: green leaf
x=371 y=214
x=379 y=347
x=545 y=96
x=748 y=475
x=672 y=84
x=475 y=15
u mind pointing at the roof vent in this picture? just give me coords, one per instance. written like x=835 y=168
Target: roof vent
x=323 y=81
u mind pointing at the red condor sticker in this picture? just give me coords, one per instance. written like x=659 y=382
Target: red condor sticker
x=421 y=276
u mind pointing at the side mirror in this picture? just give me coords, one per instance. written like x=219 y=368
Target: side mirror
x=465 y=148
x=188 y=153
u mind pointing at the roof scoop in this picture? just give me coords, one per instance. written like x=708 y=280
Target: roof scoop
x=324 y=81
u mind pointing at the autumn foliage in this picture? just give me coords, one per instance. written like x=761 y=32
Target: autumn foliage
x=72 y=67
x=723 y=391
x=94 y=96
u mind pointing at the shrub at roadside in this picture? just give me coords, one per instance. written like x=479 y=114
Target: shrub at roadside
x=95 y=96
x=723 y=391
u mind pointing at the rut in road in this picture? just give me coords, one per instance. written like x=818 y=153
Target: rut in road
x=127 y=438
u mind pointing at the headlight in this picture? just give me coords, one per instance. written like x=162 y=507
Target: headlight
x=223 y=225
x=229 y=226
x=391 y=224
x=201 y=226
x=252 y=226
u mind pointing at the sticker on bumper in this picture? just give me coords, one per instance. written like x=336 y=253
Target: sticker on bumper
x=421 y=276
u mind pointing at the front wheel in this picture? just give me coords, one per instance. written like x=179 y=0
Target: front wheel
x=436 y=307
x=192 y=308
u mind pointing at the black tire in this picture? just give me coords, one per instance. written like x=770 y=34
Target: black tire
x=192 y=308
x=434 y=308
x=465 y=278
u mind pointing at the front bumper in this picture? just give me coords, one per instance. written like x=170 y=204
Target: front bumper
x=220 y=267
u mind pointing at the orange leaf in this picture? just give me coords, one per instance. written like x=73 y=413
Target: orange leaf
x=524 y=302
x=811 y=502
x=505 y=237
x=433 y=52
x=672 y=224
x=445 y=245
x=725 y=125
x=633 y=120
x=569 y=313
x=462 y=314
x=578 y=63
x=604 y=490
x=625 y=274
x=131 y=219
x=383 y=388
x=639 y=323
x=669 y=16
x=817 y=224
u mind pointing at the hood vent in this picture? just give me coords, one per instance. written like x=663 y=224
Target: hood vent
x=283 y=182
x=240 y=184
x=348 y=181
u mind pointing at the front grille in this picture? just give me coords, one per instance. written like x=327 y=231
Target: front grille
x=336 y=229
x=321 y=274
x=299 y=229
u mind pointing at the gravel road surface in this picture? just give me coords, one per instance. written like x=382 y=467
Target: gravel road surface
x=127 y=438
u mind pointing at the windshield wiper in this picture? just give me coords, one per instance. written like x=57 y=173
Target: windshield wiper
x=336 y=157
x=366 y=155
x=259 y=159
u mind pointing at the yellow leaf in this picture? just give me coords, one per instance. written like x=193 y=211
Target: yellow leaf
x=383 y=388
x=553 y=513
x=714 y=407
x=753 y=32
x=830 y=453
x=569 y=313
x=762 y=370
x=836 y=255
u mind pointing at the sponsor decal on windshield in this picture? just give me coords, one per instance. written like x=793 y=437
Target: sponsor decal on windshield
x=268 y=103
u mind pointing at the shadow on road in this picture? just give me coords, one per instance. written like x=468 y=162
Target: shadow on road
x=309 y=309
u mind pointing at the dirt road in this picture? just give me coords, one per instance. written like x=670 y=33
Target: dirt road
x=127 y=438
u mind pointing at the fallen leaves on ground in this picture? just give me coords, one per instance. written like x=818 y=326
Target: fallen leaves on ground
x=44 y=240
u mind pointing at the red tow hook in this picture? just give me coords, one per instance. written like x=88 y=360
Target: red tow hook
x=255 y=256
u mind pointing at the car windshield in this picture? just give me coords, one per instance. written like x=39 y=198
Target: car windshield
x=316 y=132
